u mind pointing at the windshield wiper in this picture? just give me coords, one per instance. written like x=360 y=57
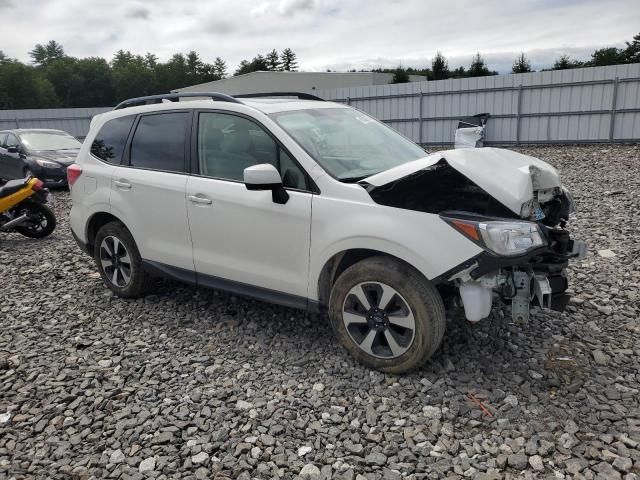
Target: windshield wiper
x=353 y=179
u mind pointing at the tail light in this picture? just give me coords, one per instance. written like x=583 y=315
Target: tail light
x=73 y=173
x=39 y=185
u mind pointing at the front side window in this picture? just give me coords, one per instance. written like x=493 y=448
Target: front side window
x=227 y=144
x=43 y=141
x=159 y=142
x=111 y=139
x=11 y=141
x=348 y=144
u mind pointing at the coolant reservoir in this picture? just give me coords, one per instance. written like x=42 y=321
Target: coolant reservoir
x=476 y=299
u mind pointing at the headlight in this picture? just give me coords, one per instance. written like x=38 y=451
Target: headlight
x=510 y=238
x=505 y=238
x=47 y=164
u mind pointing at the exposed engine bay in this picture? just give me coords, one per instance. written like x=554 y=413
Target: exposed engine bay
x=511 y=205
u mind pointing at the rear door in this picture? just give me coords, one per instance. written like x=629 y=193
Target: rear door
x=148 y=190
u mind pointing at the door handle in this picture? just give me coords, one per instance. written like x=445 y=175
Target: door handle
x=201 y=200
x=122 y=184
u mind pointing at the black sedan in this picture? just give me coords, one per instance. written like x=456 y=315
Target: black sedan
x=43 y=153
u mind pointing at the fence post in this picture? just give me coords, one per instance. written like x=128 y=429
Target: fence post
x=349 y=101
x=612 y=120
x=518 y=114
x=420 y=139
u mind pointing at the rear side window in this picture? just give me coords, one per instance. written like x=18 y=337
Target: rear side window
x=111 y=139
x=159 y=142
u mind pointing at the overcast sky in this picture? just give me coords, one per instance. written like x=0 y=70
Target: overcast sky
x=336 y=34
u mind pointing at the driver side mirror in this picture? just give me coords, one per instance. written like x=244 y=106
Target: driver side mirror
x=266 y=177
x=13 y=149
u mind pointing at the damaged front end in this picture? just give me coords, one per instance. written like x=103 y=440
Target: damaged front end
x=512 y=206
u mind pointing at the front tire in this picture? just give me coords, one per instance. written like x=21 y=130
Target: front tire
x=119 y=262
x=41 y=220
x=386 y=314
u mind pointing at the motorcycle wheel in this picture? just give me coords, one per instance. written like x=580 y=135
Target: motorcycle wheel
x=41 y=222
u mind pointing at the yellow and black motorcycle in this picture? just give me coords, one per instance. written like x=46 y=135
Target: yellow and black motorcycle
x=23 y=208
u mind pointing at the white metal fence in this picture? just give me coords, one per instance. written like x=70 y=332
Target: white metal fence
x=73 y=120
x=584 y=105
x=597 y=104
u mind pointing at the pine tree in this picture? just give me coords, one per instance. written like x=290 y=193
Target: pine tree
x=400 y=76
x=288 y=60
x=478 y=67
x=440 y=67
x=220 y=67
x=273 y=60
x=632 y=52
x=43 y=55
x=521 y=64
x=150 y=60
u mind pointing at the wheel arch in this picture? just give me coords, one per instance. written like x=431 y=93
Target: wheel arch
x=342 y=260
x=96 y=221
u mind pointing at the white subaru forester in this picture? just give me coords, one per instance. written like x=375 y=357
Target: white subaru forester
x=315 y=205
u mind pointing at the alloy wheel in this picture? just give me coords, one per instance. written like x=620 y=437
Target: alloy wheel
x=379 y=320
x=115 y=261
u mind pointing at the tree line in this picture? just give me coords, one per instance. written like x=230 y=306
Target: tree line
x=440 y=66
x=55 y=79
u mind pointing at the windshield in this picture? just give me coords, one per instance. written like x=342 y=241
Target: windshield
x=49 y=141
x=347 y=143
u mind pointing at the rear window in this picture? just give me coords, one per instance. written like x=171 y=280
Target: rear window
x=3 y=137
x=159 y=142
x=111 y=139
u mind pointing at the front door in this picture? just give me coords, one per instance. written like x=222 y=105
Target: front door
x=242 y=240
x=12 y=161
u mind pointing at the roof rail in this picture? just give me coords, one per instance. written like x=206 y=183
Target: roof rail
x=299 y=95
x=174 y=97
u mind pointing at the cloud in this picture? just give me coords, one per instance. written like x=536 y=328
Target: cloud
x=336 y=34
x=140 y=12
x=291 y=7
x=260 y=9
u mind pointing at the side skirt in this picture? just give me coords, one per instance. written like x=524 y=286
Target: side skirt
x=238 y=288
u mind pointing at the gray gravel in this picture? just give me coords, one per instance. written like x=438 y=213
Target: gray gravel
x=193 y=383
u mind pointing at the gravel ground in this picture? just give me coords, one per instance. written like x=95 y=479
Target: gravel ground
x=193 y=383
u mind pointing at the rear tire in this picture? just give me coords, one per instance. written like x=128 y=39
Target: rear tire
x=41 y=223
x=119 y=262
x=386 y=314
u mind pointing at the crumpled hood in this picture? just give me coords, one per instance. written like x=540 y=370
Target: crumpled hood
x=63 y=157
x=508 y=176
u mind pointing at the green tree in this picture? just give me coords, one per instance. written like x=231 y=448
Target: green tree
x=400 y=75
x=42 y=55
x=440 y=67
x=478 y=68
x=273 y=60
x=607 y=56
x=258 y=64
x=3 y=57
x=288 y=60
x=151 y=60
x=521 y=64
x=131 y=77
x=220 y=68
x=25 y=87
x=565 y=63
x=632 y=52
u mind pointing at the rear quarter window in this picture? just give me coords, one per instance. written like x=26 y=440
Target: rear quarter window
x=110 y=141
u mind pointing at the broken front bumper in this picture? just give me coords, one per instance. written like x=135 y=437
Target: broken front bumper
x=537 y=278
